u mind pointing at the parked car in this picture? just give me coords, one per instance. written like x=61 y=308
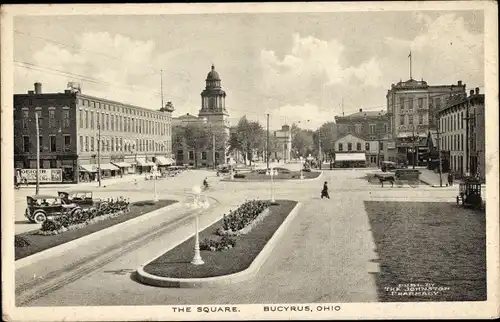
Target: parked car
x=82 y=198
x=42 y=207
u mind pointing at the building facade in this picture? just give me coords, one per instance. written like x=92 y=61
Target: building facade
x=413 y=107
x=461 y=123
x=371 y=127
x=214 y=115
x=283 y=141
x=80 y=133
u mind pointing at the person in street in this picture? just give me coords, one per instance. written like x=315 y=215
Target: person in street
x=450 y=178
x=324 y=192
x=205 y=183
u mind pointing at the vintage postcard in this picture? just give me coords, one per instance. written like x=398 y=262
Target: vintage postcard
x=253 y=161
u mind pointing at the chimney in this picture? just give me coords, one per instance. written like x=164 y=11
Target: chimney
x=38 y=88
x=477 y=90
x=361 y=110
x=459 y=83
x=471 y=92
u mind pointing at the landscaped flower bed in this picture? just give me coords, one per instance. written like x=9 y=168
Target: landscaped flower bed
x=60 y=224
x=176 y=263
x=260 y=175
x=32 y=242
x=238 y=222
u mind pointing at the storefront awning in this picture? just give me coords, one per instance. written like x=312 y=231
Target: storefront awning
x=109 y=166
x=164 y=161
x=88 y=167
x=350 y=157
x=143 y=163
x=122 y=164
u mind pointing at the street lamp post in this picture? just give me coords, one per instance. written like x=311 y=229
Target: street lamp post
x=37 y=189
x=99 y=153
x=154 y=170
x=198 y=205
x=301 y=166
x=271 y=172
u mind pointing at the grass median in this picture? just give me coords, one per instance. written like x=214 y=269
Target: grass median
x=38 y=243
x=429 y=251
x=176 y=263
x=292 y=175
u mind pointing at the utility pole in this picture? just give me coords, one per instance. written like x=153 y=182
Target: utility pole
x=467 y=118
x=267 y=152
x=37 y=189
x=99 y=153
x=161 y=86
x=439 y=156
x=213 y=149
x=414 y=141
x=319 y=154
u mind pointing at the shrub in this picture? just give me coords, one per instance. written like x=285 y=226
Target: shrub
x=241 y=217
x=239 y=176
x=20 y=241
x=216 y=243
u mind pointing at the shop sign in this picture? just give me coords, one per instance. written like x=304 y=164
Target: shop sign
x=45 y=175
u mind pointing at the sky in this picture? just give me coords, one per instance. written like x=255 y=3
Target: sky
x=298 y=67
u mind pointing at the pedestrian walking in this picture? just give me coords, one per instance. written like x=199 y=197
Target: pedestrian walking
x=450 y=178
x=324 y=192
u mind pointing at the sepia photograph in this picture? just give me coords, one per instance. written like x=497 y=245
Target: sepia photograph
x=250 y=161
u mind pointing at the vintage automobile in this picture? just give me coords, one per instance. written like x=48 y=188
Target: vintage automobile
x=470 y=193
x=82 y=198
x=388 y=166
x=42 y=207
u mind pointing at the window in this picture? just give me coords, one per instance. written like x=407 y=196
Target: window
x=52 y=117
x=349 y=146
x=203 y=155
x=26 y=115
x=367 y=146
x=112 y=122
x=410 y=119
x=106 y=126
x=92 y=119
x=65 y=118
x=341 y=146
x=191 y=155
x=81 y=143
x=40 y=141
x=67 y=143
x=402 y=120
x=386 y=129
x=410 y=103
x=86 y=144
x=358 y=128
x=420 y=119
x=81 y=119
x=112 y=144
x=420 y=102
x=92 y=144
x=350 y=128
x=52 y=143
x=401 y=103
x=26 y=144
x=381 y=146
x=437 y=103
x=372 y=128
x=358 y=146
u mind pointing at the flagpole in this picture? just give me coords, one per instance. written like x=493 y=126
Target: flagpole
x=410 y=65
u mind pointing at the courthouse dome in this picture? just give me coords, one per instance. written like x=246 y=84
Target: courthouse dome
x=213 y=75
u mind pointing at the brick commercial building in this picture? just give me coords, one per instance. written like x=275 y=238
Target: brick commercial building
x=76 y=129
x=413 y=107
x=461 y=123
x=372 y=127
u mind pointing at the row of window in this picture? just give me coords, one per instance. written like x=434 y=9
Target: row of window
x=52 y=144
x=453 y=142
x=119 y=123
x=91 y=144
x=410 y=119
x=27 y=118
x=357 y=128
x=409 y=103
x=453 y=122
x=121 y=109
x=358 y=146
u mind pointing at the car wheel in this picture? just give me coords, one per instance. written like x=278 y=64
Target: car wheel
x=39 y=217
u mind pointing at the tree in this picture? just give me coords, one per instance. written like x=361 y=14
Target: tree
x=329 y=134
x=302 y=142
x=248 y=137
x=194 y=137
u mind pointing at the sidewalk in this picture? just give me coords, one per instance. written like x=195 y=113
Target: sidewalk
x=431 y=178
x=91 y=184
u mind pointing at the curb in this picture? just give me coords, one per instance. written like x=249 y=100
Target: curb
x=23 y=262
x=250 y=272
x=275 y=180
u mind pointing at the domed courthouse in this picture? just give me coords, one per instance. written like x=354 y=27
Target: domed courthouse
x=214 y=115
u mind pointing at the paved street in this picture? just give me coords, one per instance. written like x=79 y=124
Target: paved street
x=327 y=254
